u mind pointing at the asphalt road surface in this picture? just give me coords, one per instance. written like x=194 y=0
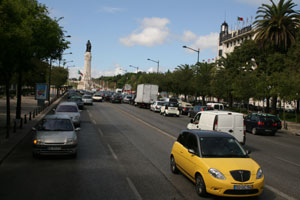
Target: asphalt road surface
x=124 y=154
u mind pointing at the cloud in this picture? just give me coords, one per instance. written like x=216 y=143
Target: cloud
x=111 y=10
x=152 y=31
x=203 y=42
x=188 y=36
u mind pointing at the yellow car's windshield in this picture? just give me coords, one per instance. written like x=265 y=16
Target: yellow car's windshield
x=223 y=147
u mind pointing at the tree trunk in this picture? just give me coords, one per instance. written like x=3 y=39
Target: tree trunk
x=19 y=96
x=274 y=104
x=268 y=105
x=230 y=100
x=7 y=85
x=203 y=100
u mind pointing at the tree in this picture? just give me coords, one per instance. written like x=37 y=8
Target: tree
x=202 y=81
x=277 y=24
x=60 y=77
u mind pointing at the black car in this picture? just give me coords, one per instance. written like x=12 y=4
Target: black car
x=116 y=98
x=261 y=123
x=193 y=111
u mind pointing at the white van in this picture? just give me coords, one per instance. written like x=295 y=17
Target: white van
x=224 y=121
x=215 y=106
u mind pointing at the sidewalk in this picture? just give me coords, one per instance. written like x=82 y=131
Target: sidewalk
x=28 y=104
x=292 y=128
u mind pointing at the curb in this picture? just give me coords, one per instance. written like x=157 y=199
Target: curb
x=7 y=148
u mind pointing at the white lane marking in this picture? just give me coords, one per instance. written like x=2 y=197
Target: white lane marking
x=133 y=188
x=292 y=163
x=100 y=131
x=94 y=121
x=112 y=152
x=147 y=124
x=279 y=193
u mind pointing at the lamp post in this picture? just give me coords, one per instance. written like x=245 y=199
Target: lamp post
x=137 y=68
x=65 y=62
x=155 y=62
x=63 y=55
x=198 y=51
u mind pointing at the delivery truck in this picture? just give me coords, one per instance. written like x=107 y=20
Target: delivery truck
x=145 y=95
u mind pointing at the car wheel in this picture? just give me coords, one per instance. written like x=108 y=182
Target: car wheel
x=177 y=115
x=200 y=186
x=273 y=133
x=173 y=167
x=254 y=131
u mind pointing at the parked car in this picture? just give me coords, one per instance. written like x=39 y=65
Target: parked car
x=156 y=106
x=107 y=95
x=98 y=96
x=184 y=108
x=87 y=99
x=131 y=101
x=193 y=111
x=215 y=106
x=127 y=99
x=261 y=123
x=169 y=108
x=70 y=109
x=78 y=101
x=217 y=164
x=223 y=121
x=55 y=135
x=116 y=98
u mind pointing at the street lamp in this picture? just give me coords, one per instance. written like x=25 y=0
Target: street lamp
x=137 y=68
x=198 y=51
x=65 y=62
x=155 y=62
x=61 y=57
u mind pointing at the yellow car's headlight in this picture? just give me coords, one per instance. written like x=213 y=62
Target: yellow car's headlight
x=216 y=173
x=259 y=173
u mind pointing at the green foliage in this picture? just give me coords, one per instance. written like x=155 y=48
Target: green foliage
x=59 y=76
x=277 y=24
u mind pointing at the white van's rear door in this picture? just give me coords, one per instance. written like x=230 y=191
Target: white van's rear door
x=239 y=128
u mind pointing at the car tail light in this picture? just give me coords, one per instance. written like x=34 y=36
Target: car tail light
x=260 y=123
x=184 y=109
x=274 y=124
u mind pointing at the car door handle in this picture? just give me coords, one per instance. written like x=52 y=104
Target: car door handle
x=230 y=131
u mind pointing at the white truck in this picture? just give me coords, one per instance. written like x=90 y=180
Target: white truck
x=146 y=94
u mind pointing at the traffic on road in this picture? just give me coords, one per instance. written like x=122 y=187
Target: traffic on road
x=150 y=156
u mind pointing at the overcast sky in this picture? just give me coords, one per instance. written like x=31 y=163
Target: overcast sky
x=127 y=32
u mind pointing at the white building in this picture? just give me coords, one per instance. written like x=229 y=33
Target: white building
x=229 y=40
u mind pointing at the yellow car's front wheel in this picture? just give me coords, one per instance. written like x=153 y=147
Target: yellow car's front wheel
x=200 y=186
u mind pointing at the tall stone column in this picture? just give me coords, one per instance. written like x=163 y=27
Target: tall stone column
x=86 y=81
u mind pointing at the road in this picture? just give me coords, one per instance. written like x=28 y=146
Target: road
x=124 y=154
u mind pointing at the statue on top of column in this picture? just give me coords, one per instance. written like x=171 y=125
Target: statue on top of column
x=88 y=46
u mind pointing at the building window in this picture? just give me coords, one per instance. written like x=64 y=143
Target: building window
x=220 y=52
x=227 y=45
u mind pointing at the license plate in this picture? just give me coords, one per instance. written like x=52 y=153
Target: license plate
x=268 y=130
x=54 y=148
x=242 y=187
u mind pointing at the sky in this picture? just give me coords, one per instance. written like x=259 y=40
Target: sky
x=128 y=32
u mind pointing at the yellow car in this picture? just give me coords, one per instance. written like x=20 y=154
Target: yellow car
x=217 y=164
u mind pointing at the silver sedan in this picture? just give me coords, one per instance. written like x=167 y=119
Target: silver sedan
x=55 y=135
